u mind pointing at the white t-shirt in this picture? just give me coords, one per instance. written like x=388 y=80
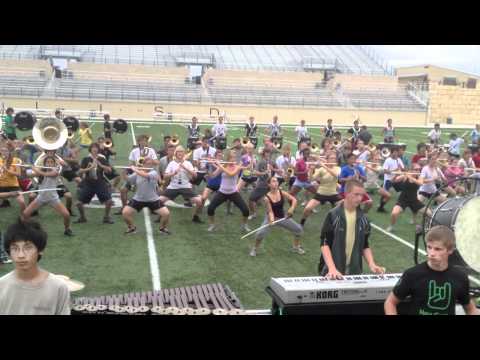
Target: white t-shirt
x=147 y=152
x=301 y=132
x=219 y=130
x=182 y=179
x=429 y=174
x=434 y=135
x=455 y=146
x=364 y=156
x=283 y=163
x=392 y=165
x=201 y=153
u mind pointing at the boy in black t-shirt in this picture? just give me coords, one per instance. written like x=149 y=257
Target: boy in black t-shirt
x=433 y=286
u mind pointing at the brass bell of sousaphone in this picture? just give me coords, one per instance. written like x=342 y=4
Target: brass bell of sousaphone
x=50 y=133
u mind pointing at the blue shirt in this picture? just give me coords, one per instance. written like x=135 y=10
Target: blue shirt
x=348 y=171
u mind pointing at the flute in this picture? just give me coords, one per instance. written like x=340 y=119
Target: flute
x=41 y=167
x=405 y=173
x=129 y=167
x=220 y=162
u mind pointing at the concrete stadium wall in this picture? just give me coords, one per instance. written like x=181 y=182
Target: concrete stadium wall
x=313 y=116
x=461 y=104
x=435 y=73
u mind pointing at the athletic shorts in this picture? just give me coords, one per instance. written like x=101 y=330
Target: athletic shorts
x=428 y=195
x=415 y=205
x=26 y=184
x=69 y=175
x=249 y=180
x=152 y=205
x=62 y=190
x=389 y=184
x=302 y=184
x=87 y=191
x=213 y=187
x=173 y=193
x=199 y=178
x=332 y=199
x=258 y=193
x=9 y=188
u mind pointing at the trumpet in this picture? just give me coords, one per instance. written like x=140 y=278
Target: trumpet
x=246 y=141
x=29 y=140
x=141 y=160
x=371 y=147
x=108 y=143
x=290 y=171
x=385 y=152
x=70 y=135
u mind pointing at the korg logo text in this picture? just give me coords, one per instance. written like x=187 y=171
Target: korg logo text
x=327 y=294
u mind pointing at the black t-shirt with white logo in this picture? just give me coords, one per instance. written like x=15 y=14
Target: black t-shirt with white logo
x=433 y=292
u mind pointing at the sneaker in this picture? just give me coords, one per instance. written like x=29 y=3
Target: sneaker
x=108 y=220
x=245 y=228
x=5 y=204
x=212 y=228
x=299 y=250
x=253 y=252
x=381 y=210
x=165 y=231
x=68 y=232
x=5 y=260
x=80 y=220
x=131 y=230
x=315 y=211
x=253 y=216
x=389 y=228
x=197 y=220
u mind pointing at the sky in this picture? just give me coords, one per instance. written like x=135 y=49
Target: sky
x=459 y=57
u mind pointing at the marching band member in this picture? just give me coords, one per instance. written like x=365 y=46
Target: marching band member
x=326 y=146
x=342 y=251
x=354 y=131
x=146 y=195
x=402 y=156
x=163 y=151
x=392 y=163
x=219 y=131
x=136 y=156
x=213 y=182
x=328 y=130
x=9 y=125
x=180 y=172
x=274 y=129
x=388 y=132
x=435 y=286
x=274 y=201
x=249 y=162
x=48 y=179
x=108 y=152
x=164 y=161
x=227 y=191
x=455 y=142
x=466 y=162
x=301 y=174
x=343 y=151
x=92 y=169
x=107 y=127
x=408 y=196
x=205 y=151
x=352 y=171
x=430 y=175
x=302 y=133
x=373 y=172
x=285 y=162
x=421 y=154
x=85 y=133
x=327 y=178
x=364 y=135
x=251 y=131
x=193 y=133
x=263 y=171
x=452 y=172
x=363 y=152
x=9 y=174
x=475 y=135
x=435 y=134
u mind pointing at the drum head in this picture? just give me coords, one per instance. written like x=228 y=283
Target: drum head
x=467 y=228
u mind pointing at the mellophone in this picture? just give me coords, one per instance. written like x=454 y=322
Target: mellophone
x=216 y=299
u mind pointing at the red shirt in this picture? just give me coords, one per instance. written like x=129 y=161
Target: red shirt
x=301 y=166
x=415 y=158
x=476 y=159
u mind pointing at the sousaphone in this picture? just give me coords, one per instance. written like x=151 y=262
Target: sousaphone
x=50 y=133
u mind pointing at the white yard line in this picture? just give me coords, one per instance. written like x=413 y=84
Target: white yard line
x=152 y=253
x=411 y=246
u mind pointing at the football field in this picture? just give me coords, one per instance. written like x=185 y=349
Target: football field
x=109 y=262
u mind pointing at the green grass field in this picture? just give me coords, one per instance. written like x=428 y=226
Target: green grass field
x=108 y=262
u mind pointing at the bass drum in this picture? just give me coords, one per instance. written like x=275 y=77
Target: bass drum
x=462 y=215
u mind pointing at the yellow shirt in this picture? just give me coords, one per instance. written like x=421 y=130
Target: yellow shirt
x=85 y=136
x=351 y=218
x=328 y=182
x=6 y=179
